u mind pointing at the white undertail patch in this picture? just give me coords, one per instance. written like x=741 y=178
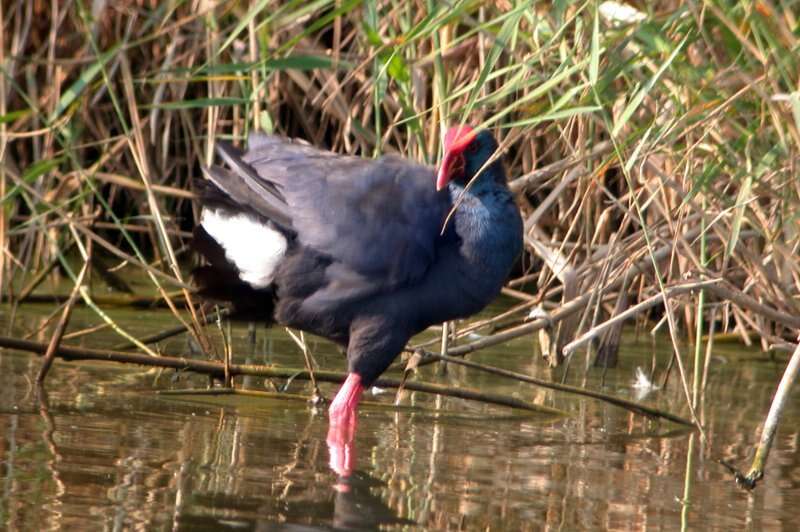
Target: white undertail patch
x=252 y=246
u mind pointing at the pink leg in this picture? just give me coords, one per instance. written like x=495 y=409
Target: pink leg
x=343 y=416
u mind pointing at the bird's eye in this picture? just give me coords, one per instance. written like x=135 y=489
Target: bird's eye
x=472 y=147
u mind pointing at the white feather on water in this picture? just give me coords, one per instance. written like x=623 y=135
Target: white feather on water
x=255 y=248
x=642 y=383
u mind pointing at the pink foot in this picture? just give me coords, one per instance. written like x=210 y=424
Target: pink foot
x=343 y=416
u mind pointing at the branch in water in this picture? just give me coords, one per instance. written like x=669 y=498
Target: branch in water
x=217 y=369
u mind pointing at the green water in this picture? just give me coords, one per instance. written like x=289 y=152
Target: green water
x=103 y=451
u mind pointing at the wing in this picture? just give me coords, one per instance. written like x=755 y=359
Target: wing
x=377 y=220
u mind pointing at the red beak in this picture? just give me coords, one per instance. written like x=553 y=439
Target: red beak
x=455 y=142
x=443 y=177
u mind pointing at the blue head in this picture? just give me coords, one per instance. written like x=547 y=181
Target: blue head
x=465 y=153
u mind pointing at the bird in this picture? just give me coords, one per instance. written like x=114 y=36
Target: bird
x=364 y=252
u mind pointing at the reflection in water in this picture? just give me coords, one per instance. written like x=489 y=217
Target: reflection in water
x=357 y=508
x=100 y=450
x=342 y=450
x=48 y=429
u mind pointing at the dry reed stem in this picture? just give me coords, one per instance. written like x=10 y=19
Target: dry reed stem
x=770 y=426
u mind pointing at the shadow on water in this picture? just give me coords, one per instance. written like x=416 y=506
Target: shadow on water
x=101 y=449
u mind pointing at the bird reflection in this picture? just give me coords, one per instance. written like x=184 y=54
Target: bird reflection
x=341 y=446
x=356 y=507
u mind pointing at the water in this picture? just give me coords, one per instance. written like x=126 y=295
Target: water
x=103 y=451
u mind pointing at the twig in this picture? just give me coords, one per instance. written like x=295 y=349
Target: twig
x=58 y=333
x=121 y=300
x=520 y=330
x=316 y=396
x=42 y=275
x=628 y=405
x=217 y=369
x=168 y=333
x=84 y=332
x=521 y=184
x=726 y=291
x=475 y=325
x=266 y=394
x=633 y=311
x=127 y=182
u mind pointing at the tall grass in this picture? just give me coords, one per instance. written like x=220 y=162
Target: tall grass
x=664 y=135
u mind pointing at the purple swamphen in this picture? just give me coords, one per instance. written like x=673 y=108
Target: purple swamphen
x=363 y=252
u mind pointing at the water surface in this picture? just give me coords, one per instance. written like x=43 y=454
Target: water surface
x=103 y=451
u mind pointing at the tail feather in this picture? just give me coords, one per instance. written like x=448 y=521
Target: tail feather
x=245 y=230
x=243 y=197
x=213 y=198
x=243 y=184
x=233 y=158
